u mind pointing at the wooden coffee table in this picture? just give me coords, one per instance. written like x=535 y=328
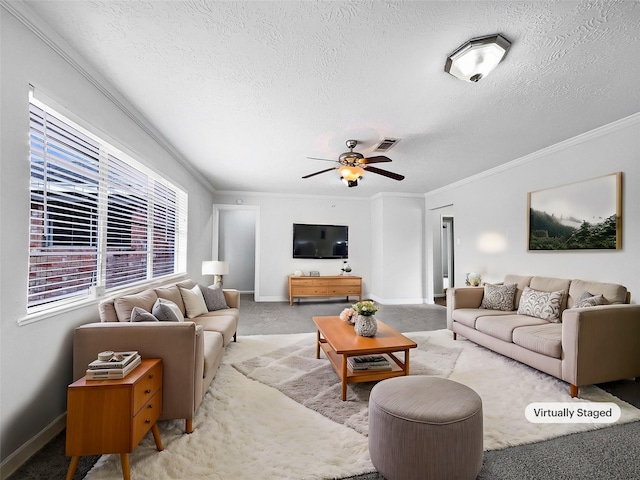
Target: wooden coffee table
x=338 y=341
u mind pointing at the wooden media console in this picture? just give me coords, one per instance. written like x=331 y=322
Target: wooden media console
x=325 y=286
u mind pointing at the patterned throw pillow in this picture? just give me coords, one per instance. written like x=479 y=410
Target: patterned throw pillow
x=141 y=315
x=498 y=297
x=544 y=305
x=586 y=299
x=167 y=311
x=214 y=297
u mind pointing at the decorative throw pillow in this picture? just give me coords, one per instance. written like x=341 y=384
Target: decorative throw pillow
x=544 y=305
x=193 y=301
x=590 y=300
x=167 y=311
x=141 y=315
x=498 y=297
x=214 y=297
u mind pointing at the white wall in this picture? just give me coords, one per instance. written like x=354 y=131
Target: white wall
x=494 y=206
x=36 y=358
x=277 y=214
x=386 y=223
x=397 y=260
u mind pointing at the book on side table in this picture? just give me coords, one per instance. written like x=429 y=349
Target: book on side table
x=118 y=366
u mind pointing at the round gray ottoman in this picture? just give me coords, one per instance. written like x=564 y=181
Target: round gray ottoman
x=425 y=428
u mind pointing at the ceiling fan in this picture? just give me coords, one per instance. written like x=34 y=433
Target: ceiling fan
x=353 y=164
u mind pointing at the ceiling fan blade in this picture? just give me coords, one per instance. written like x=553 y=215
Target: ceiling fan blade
x=318 y=173
x=378 y=159
x=323 y=159
x=386 y=173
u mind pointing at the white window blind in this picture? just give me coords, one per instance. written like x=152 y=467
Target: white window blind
x=98 y=218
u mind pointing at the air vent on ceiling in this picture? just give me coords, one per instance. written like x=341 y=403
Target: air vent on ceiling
x=386 y=144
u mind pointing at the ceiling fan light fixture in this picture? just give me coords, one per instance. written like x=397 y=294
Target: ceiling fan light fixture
x=476 y=58
x=351 y=173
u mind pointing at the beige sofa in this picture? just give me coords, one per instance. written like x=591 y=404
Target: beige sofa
x=191 y=350
x=582 y=346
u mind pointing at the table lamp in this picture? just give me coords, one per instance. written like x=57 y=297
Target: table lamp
x=215 y=268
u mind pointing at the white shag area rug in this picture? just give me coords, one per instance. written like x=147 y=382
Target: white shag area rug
x=246 y=429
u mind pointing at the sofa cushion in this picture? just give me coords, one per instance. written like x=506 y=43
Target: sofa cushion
x=225 y=312
x=521 y=282
x=140 y=315
x=498 y=297
x=124 y=305
x=544 y=305
x=502 y=326
x=468 y=316
x=107 y=311
x=547 y=284
x=214 y=297
x=167 y=311
x=612 y=292
x=172 y=292
x=213 y=344
x=544 y=339
x=193 y=301
x=224 y=324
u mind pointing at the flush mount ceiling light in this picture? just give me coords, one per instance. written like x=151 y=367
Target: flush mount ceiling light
x=477 y=57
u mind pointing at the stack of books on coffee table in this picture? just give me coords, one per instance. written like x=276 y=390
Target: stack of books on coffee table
x=118 y=366
x=368 y=362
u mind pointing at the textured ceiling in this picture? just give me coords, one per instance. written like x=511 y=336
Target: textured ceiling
x=245 y=91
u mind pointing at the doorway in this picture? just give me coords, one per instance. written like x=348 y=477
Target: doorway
x=447 y=251
x=235 y=242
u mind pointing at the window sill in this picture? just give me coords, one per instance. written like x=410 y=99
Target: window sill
x=94 y=300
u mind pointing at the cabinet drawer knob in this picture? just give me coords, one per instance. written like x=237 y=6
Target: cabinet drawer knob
x=150 y=405
x=147 y=421
x=147 y=391
x=151 y=375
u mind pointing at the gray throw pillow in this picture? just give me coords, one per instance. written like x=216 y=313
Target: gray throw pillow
x=141 y=315
x=498 y=297
x=214 y=297
x=167 y=311
x=544 y=305
x=590 y=300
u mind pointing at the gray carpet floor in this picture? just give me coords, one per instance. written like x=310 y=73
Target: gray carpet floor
x=609 y=453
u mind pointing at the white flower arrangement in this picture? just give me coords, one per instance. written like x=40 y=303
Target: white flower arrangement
x=366 y=308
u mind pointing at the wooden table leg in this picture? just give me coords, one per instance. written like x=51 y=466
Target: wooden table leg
x=344 y=377
x=156 y=437
x=72 y=467
x=126 y=467
x=318 y=344
x=406 y=362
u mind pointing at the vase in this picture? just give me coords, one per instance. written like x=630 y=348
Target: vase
x=366 y=325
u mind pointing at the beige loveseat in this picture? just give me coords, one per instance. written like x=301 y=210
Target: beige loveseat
x=583 y=345
x=191 y=350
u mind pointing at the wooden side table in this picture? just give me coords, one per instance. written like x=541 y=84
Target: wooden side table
x=112 y=416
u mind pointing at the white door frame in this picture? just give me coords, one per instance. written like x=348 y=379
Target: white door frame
x=215 y=243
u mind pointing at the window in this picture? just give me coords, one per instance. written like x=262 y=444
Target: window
x=98 y=218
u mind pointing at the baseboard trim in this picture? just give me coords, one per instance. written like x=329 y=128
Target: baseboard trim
x=18 y=458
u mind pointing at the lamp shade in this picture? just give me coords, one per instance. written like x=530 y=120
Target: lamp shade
x=214 y=267
x=477 y=57
x=350 y=173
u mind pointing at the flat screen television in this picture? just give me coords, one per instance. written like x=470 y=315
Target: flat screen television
x=320 y=241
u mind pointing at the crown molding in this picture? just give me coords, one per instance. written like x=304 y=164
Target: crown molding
x=25 y=15
x=558 y=147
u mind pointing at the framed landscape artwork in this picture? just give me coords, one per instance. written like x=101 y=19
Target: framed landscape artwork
x=586 y=215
